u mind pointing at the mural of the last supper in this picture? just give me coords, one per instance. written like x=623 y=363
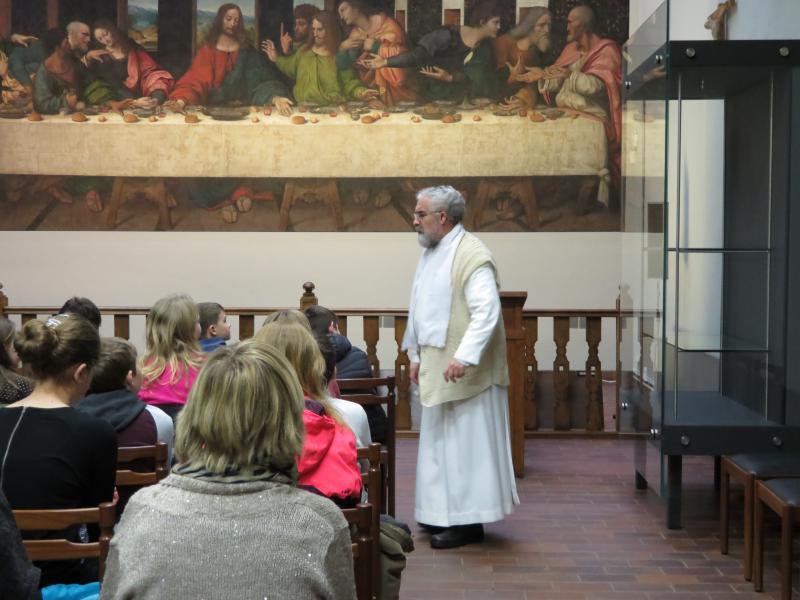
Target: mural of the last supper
x=273 y=115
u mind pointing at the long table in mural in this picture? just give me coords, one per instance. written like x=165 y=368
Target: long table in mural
x=502 y=154
x=393 y=146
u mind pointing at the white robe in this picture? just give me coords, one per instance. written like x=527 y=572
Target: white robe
x=464 y=469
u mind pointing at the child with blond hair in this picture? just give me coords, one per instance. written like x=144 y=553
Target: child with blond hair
x=173 y=356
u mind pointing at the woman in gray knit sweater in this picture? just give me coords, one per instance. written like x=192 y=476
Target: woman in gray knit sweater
x=228 y=522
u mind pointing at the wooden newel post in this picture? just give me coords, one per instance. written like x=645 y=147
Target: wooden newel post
x=308 y=298
x=3 y=302
x=402 y=415
x=512 y=303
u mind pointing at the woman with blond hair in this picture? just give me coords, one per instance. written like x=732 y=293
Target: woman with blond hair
x=229 y=520
x=173 y=356
x=328 y=464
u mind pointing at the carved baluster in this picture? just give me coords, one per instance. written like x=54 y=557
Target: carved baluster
x=308 y=298
x=28 y=317
x=531 y=326
x=561 y=410
x=644 y=420
x=402 y=415
x=371 y=335
x=594 y=377
x=122 y=326
x=247 y=325
x=343 y=325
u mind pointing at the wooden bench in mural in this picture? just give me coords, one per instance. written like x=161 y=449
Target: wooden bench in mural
x=539 y=400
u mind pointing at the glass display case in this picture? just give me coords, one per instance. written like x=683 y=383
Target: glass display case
x=711 y=168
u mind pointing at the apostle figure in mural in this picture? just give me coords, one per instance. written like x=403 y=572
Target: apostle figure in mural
x=13 y=92
x=17 y=88
x=456 y=62
x=520 y=56
x=126 y=69
x=303 y=15
x=372 y=31
x=313 y=67
x=62 y=77
x=456 y=343
x=227 y=69
x=587 y=76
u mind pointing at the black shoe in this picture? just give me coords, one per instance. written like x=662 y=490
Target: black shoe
x=431 y=528
x=458 y=535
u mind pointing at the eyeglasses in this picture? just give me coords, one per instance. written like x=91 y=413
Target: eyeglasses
x=421 y=214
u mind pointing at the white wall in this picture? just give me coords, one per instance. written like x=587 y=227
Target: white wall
x=351 y=270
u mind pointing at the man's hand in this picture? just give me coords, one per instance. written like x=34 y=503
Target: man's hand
x=268 y=47
x=531 y=75
x=96 y=55
x=555 y=73
x=513 y=103
x=515 y=70
x=437 y=73
x=369 y=94
x=145 y=102
x=284 y=105
x=354 y=40
x=455 y=370
x=413 y=372
x=373 y=62
x=286 y=41
x=22 y=40
x=72 y=99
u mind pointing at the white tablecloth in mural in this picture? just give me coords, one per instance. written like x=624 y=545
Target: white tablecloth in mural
x=395 y=146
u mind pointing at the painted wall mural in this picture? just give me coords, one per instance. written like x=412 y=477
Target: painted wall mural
x=263 y=117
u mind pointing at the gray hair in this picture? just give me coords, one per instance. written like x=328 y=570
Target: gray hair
x=588 y=16
x=525 y=26
x=447 y=199
x=75 y=27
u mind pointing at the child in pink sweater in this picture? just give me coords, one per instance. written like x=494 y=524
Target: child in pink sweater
x=173 y=358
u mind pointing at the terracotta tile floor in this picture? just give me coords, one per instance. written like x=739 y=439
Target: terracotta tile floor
x=582 y=532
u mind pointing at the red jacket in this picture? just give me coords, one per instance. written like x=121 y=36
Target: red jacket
x=329 y=462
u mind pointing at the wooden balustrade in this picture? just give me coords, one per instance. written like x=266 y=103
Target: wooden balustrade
x=522 y=333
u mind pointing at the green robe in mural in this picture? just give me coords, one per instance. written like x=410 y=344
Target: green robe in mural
x=317 y=78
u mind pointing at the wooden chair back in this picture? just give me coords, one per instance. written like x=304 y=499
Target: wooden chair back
x=128 y=454
x=364 y=539
x=59 y=519
x=371 y=479
x=352 y=389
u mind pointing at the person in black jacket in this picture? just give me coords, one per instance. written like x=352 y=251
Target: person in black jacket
x=351 y=363
x=20 y=578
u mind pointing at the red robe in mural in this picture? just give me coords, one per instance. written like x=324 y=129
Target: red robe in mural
x=208 y=71
x=145 y=76
x=603 y=61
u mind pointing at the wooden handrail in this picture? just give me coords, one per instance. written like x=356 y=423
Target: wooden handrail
x=349 y=312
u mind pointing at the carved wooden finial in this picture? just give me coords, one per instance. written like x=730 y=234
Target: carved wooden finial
x=308 y=298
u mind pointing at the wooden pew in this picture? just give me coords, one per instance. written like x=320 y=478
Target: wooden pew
x=58 y=519
x=365 y=538
x=129 y=477
x=352 y=390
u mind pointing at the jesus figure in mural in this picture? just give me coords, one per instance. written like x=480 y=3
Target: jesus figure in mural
x=228 y=69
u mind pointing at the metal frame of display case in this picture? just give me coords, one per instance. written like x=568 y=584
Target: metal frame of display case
x=755 y=406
